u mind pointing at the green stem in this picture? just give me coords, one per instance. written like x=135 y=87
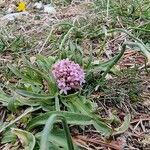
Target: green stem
x=57 y=105
x=48 y=37
x=49 y=126
x=65 y=37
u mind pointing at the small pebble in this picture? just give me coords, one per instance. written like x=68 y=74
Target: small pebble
x=38 y=5
x=49 y=9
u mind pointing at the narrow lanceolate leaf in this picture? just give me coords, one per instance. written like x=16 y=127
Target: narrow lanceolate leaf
x=33 y=95
x=102 y=128
x=27 y=139
x=124 y=126
x=4 y=98
x=72 y=118
x=102 y=66
x=48 y=78
x=8 y=137
x=15 y=71
x=56 y=140
x=82 y=105
x=48 y=128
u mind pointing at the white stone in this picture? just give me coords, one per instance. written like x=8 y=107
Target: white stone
x=38 y=5
x=13 y=16
x=49 y=9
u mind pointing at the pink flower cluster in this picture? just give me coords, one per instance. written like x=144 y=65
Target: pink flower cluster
x=68 y=75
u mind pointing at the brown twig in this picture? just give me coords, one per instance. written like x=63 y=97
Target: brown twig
x=99 y=142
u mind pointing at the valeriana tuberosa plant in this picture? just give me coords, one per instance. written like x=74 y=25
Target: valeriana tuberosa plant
x=68 y=75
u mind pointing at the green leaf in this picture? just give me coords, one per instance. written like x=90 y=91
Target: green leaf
x=2 y=46
x=47 y=77
x=102 y=128
x=98 y=66
x=124 y=126
x=27 y=138
x=84 y=106
x=72 y=118
x=4 y=98
x=8 y=137
x=33 y=95
x=11 y=105
x=35 y=75
x=26 y=75
x=49 y=126
x=45 y=63
x=16 y=71
x=56 y=140
x=47 y=102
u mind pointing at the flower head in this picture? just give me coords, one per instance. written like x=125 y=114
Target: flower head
x=21 y=6
x=68 y=75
